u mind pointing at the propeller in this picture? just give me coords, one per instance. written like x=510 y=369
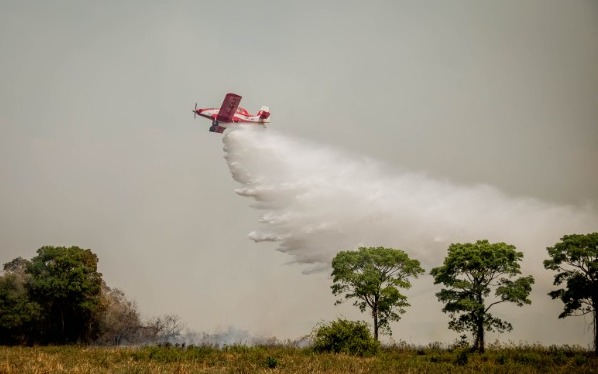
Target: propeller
x=195 y=111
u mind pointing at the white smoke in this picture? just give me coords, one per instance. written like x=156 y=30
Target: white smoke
x=317 y=201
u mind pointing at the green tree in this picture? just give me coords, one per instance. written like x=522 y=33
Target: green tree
x=575 y=258
x=373 y=277
x=470 y=271
x=67 y=286
x=18 y=266
x=17 y=312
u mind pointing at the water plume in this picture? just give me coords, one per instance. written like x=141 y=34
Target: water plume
x=317 y=200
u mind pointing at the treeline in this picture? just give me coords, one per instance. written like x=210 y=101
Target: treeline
x=475 y=277
x=59 y=297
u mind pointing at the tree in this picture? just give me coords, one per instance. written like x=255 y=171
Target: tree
x=119 y=320
x=373 y=276
x=575 y=258
x=165 y=329
x=471 y=271
x=67 y=286
x=18 y=266
x=17 y=312
x=343 y=336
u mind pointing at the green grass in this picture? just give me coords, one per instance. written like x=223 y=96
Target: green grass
x=433 y=358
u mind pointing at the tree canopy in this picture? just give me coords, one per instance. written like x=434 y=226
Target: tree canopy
x=575 y=259
x=59 y=297
x=470 y=271
x=373 y=276
x=66 y=285
x=17 y=312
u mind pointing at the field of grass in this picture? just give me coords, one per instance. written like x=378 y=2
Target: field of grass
x=283 y=359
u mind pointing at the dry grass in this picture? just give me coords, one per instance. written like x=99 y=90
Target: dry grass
x=279 y=359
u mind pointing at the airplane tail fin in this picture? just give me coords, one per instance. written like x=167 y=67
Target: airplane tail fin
x=264 y=112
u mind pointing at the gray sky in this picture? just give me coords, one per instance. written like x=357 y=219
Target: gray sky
x=98 y=147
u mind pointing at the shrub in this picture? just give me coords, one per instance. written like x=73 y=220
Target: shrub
x=580 y=360
x=528 y=358
x=271 y=362
x=501 y=359
x=343 y=336
x=462 y=358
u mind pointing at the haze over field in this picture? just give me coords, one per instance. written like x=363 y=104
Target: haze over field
x=409 y=124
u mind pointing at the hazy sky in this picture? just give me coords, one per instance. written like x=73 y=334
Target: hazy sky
x=98 y=146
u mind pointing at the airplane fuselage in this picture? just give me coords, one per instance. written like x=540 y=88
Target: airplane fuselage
x=240 y=116
x=231 y=112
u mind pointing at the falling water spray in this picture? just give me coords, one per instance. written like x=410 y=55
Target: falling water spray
x=315 y=200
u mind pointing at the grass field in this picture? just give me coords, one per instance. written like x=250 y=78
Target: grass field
x=282 y=359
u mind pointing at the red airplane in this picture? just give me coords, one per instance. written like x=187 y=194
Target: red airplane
x=231 y=112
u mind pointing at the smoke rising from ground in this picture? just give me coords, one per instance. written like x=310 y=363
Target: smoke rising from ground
x=315 y=201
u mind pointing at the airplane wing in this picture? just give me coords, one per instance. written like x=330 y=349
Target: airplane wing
x=228 y=108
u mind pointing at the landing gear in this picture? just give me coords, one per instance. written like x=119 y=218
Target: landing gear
x=214 y=125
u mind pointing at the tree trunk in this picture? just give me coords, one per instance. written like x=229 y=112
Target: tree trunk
x=595 y=331
x=474 y=347
x=62 y=325
x=375 y=314
x=481 y=334
x=480 y=314
x=478 y=344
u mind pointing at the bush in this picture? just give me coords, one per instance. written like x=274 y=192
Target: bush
x=462 y=358
x=271 y=362
x=343 y=336
x=501 y=359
